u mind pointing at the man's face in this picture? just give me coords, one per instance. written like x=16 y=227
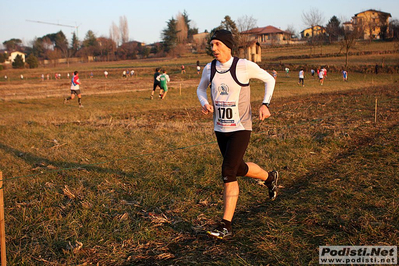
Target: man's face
x=220 y=51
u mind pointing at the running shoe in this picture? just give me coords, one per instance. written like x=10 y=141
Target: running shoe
x=272 y=186
x=220 y=232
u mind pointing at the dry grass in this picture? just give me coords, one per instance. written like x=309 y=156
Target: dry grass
x=130 y=181
x=270 y=53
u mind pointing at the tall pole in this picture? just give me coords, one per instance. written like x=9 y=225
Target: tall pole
x=2 y=224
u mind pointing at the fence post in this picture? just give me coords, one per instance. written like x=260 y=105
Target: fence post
x=2 y=223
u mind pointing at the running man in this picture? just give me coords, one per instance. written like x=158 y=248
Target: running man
x=301 y=77
x=230 y=93
x=321 y=76
x=156 y=84
x=274 y=74
x=344 y=75
x=163 y=83
x=75 y=89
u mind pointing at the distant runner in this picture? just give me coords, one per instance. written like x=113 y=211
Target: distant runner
x=75 y=89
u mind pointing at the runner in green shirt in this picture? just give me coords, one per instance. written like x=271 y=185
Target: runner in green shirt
x=163 y=79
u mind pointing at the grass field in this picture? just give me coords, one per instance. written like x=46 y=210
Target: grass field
x=130 y=181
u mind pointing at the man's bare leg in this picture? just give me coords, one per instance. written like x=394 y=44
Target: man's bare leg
x=255 y=171
x=230 y=198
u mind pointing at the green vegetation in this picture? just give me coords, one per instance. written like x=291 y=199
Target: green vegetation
x=18 y=62
x=130 y=181
x=32 y=61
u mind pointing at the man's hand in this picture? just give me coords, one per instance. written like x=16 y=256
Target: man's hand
x=264 y=112
x=207 y=108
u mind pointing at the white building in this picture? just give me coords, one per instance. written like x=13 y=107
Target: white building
x=13 y=55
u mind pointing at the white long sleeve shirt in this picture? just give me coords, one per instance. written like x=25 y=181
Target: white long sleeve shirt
x=230 y=100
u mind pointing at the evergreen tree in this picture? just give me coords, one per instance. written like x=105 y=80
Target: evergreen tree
x=39 y=49
x=60 y=41
x=3 y=57
x=169 y=35
x=230 y=25
x=12 y=44
x=32 y=61
x=90 y=39
x=333 y=28
x=61 y=44
x=54 y=41
x=18 y=62
x=75 y=44
x=90 y=44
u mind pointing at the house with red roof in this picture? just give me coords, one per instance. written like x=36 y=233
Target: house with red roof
x=268 y=35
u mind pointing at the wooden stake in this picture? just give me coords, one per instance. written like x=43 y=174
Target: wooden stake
x=2 y=224
x=180 y=88
x=375 y=111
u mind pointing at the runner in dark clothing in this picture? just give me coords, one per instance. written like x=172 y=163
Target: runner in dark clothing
x=156 y=84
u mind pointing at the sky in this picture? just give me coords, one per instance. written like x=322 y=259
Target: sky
x=146 y=19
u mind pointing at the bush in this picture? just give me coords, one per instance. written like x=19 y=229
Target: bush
x=32 y=61
x=3 y=58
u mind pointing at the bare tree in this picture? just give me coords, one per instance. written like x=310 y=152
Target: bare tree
x=312 y=18
x=383 y=24
x=245 y=23
x=394 y=29
x=107 y=47
x=349 y=40
x=53 y=56
x=124 y=29
x=114 y=33
x=181 y=28
x=291 y=29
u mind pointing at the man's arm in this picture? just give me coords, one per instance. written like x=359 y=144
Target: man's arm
x=203 y=86
x=254 y=71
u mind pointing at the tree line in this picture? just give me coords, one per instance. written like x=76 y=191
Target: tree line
x=116 y=46
x=178 y=32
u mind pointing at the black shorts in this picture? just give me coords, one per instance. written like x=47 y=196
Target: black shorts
x=77 y=92
x=233 y=146
x=155 y=86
